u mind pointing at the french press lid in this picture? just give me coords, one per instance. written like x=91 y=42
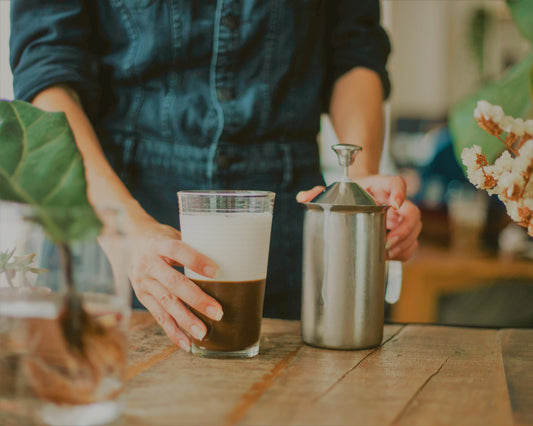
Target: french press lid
x=346 y=194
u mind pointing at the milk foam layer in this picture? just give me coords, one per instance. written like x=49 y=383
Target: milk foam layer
x=237 y=242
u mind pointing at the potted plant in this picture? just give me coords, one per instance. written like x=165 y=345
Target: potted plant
x=63 y=345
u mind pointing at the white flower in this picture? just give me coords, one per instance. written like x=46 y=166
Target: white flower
x=504 y=163
x=512 y=209
x=528 y=202
x=470 y=156
x=528 y=127
x=488 y=111
x=483 y=107
x=526 y=152
x=519 y=127
x=507 y=123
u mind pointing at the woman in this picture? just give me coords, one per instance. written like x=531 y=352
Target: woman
x=168 y=95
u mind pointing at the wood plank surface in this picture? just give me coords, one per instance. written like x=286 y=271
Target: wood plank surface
x=420 y=375
x=517 y=352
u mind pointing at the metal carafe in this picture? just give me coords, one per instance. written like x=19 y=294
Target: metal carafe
x=344 y=264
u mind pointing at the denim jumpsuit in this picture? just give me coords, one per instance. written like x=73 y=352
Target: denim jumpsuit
x=211 y=94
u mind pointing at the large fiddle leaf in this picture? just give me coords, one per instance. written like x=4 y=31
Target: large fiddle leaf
x=40 y=165
x=522 y=13
x=511 y=92
x=514 y=93
x=531 y=84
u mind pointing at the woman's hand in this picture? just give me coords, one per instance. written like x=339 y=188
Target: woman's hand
x=164 y=291
x=403 y=219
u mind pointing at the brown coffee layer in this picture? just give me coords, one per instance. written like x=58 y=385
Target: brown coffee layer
x=240 y=327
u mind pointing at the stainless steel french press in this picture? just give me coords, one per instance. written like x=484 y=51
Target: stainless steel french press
x=344 y=265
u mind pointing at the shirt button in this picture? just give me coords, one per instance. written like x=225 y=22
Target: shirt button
x=231 y=22
x=223 y=161
x=226 y=94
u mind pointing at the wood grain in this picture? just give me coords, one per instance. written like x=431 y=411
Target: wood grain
x=420 y=375
x=147 y=344
x=517 y=352
x=312 y=374
x=186 y=389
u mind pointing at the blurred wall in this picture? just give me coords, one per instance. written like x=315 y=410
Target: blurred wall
x=6 y=80
x=432 y=66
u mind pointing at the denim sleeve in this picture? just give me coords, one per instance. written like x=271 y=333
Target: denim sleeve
x=49 y=44
x=357 y=39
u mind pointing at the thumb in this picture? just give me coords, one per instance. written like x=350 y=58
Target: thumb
x=306 y=196
x=397 y=192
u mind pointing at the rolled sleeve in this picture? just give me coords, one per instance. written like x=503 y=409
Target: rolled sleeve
x=49 y=44
x=357 y=40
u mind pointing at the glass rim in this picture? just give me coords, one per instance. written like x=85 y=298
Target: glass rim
x=228 y=193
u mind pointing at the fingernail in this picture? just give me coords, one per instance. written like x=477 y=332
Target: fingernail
x=210 y=271
x=197 y=332
x=390 y=242
x=214 y=313
x=396 y=204
x=390 y=254
x=184 y=345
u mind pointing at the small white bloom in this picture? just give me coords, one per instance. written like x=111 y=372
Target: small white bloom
x=527 y=150
x=470 y=155
x=528 y=202
x=504 y=163
x=512 y=209
x=528 y=127
x=518 y=127
x=496 y=113
x=507 y=123
x=482 y=109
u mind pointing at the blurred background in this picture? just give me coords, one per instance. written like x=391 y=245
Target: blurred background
x=474 y=266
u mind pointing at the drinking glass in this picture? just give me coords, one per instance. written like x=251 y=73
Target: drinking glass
x=49 y=376
x=467 y=209
x=233 y=229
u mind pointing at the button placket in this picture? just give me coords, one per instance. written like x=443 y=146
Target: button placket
x=231 y=22
x=228 y=41
x=226 y=94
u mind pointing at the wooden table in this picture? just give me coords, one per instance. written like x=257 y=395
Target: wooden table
x=422 y=374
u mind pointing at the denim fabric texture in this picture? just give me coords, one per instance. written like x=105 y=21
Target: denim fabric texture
x=188 y=94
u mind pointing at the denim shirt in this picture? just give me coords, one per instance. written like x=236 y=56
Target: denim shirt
x=192 y=72
x=210 y=94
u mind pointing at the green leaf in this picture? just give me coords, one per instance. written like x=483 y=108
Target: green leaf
x=510 y=93
x=522 y=13
x=531 y=84
x=40 y=165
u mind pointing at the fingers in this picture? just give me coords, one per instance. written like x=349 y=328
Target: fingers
x=385 y=189
x=403 y=235
x=178 y=251
x=398 y=189
x=180 y=286
x=306 y=196
x=167 y=323
x=185 y=319
x=404 y=252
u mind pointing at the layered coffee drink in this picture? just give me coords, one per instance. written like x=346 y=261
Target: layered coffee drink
x=237 y=239
x=240 y=327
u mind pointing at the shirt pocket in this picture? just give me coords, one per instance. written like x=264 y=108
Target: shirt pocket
x=146 y=32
